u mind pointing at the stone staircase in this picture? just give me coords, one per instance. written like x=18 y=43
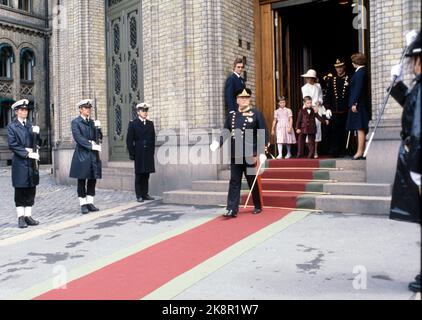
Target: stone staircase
x=329 y=185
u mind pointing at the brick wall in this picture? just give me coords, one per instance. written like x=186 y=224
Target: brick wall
x=78 y=66
x=389 y=22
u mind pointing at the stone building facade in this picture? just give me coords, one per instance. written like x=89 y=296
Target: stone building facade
x=175 y=55
x=24 y=67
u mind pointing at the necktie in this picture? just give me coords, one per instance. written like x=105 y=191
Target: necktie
x=24 y=123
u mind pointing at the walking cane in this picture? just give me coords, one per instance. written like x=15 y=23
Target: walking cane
x=253 y=184
x=348 y=139
x=384 y=104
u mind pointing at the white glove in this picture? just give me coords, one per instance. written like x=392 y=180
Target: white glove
x=214 y=146
x=397 y=71
x=97 y=123
x=35 y=129
x=34 y=155
x=96 y=147
x=416 y=177
x=262 y=158
x=410 y=37
x=328 y=114
x=29 y=150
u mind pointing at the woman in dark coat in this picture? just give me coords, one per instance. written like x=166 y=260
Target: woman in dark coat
x=86 y=163
x=406 y=197
x=25 y=175
x=140 y=143
x=359 y=113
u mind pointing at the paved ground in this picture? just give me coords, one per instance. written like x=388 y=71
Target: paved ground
x=328 y=256
x=53 y=203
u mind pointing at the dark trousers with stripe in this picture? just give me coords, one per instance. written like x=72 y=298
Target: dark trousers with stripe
x=141 y=185
x=236 y=173
x=25 y=197
x=86 y=187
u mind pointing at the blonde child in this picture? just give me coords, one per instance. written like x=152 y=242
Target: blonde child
x=283 y=118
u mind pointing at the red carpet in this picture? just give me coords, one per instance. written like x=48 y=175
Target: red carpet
x=139 y=274
x=291 y=176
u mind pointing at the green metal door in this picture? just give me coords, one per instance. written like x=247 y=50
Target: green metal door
x=124 y=67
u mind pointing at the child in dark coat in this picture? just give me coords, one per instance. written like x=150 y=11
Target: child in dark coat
x=305 y=126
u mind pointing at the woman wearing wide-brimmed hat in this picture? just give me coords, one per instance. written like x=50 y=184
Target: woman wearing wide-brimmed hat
x=313 y=89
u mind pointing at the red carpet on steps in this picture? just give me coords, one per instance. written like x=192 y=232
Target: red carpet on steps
x=141 y=273
x=293 y=180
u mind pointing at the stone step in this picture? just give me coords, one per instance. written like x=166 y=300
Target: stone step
x=358 y=189
x=348 y=176
x=338 y=175
x=284 y=185
x=351 y=164
x=195 y=197
x=353 y=204
x=118 y=181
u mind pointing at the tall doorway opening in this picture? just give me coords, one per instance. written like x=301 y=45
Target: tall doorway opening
x=305 y=34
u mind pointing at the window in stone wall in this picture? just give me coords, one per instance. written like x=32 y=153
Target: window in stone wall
x=4 y=2
x=27 y=64
x=25 y=5
x=6 y=61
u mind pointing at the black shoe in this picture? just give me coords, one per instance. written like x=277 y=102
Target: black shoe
x=22 y=223
x=359 y=158
x=148 y=197
x=91 y=207
x=31 y=222
x=418 y=278
x=140 y=200
x=415 y=286
x=257 y=210
x=230 y=214
x=84 y=209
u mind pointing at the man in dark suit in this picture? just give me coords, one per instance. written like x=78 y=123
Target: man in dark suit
x=140 y=143
x=25 y=177
x=337 y=99
x=86 y=164
x=247 y=128
x=305 y=126
x=234 y=83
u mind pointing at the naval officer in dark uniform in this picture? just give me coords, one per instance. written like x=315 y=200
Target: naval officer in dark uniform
x=25 y=176
x=247 y=129
x=337 y=98
x=140 y=143
x=86 y=163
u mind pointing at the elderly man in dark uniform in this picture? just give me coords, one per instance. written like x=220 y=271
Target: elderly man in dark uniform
x=234 y=83
x=22 y=138
x=337 y=99
x=86 y=163
x=406 y=196
x=247 y=129
x=140 y=143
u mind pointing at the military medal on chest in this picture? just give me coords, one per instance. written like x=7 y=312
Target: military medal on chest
x=248 y=118
x=343 y=93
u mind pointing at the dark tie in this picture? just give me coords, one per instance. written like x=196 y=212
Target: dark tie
x=24 y=123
